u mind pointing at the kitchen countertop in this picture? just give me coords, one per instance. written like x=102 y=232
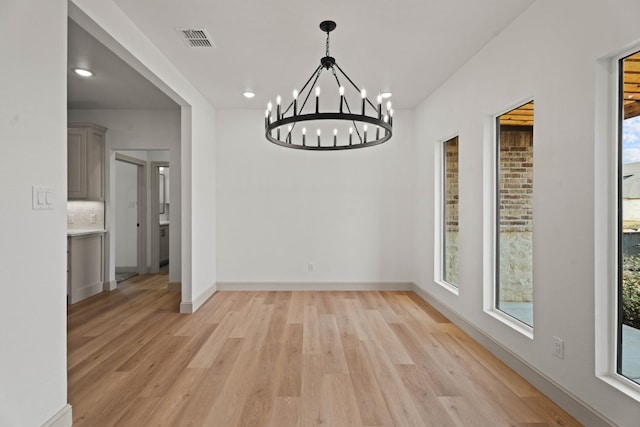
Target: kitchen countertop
x=84 y=232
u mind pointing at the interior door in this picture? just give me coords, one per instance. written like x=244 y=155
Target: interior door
x=126 y=218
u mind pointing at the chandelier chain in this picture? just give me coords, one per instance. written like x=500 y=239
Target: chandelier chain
x=327 y=53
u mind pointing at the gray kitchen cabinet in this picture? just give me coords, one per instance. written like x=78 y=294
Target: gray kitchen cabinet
x=85 y=161
x=85 y=266
x=164 y=244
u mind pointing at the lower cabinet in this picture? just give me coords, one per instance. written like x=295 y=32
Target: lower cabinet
x=85 y=274
x=164 y=245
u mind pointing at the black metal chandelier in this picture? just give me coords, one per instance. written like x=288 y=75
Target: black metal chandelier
x=367 y=125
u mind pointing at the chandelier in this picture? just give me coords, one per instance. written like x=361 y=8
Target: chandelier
x=364 y=125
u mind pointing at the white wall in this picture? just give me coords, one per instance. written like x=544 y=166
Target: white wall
x=33 y=374
x=141 y=130
x=281 y=209
x=126 y=213
x=550 y=53
x=106 y=21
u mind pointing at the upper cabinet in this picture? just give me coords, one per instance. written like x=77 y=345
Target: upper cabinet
x=85 y=161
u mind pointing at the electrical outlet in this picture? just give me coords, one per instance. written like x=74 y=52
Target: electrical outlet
x=310 y=267
x=558 y=347
x=92 y=218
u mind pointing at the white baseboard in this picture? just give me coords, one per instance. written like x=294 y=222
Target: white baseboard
x=129 y=269
x=110 y=285
x=62 y=418
x=189 y=307
x=86 y=292
x=175 y=286
x=563 y=397
x=315 y=286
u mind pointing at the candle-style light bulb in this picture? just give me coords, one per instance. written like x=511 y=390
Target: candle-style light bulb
x=388 y=106
x=278 y=101
x=269 y=106
x=266 y=118
x=304 y=136
x=379 y=99
x=386 y=118
x=391 y=116
x=318 y=137
x=335 y=137
x=295 y=102
x=341 y=91
x=363 y=93
x=365 y=133
x=350 y=135
x=317 y=99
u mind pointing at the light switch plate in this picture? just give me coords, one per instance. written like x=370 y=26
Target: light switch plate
x=42 y=197
x=558 y=347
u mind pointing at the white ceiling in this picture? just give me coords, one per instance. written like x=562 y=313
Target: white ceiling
x=409 y=47
x=115 y=84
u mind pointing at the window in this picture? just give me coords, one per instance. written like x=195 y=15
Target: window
x=450 y=212
x=628 y=221
x=514 y=218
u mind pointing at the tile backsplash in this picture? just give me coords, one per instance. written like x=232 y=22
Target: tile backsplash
x=82 y=215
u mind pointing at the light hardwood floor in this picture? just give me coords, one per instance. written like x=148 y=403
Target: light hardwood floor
x=286 y=359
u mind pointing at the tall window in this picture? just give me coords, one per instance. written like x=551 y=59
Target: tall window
x=628 y=354
x=450 y=212
x=514 y=207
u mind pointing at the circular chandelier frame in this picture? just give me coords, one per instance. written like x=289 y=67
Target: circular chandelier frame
x=279 y=131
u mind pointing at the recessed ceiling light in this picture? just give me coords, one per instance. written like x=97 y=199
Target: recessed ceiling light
x=83 y=72
x=386 y=95
x=248 y=94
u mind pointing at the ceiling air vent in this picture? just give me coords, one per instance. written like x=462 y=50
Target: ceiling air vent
x=195 y=37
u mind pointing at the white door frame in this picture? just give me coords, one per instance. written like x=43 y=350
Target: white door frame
x=142 y=208
x=155 y=216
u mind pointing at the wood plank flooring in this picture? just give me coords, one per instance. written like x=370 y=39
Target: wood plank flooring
x=286 y=359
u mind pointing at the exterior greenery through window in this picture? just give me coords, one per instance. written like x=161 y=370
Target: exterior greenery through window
x=450 y=212
x=514 y=208
x=628 y=349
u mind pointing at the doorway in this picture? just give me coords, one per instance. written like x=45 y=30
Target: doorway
x=129 y=208
x=160 y=216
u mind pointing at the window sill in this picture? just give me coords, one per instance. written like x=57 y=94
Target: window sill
x=512 y=322
x=623 y=385
x=448 y=286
